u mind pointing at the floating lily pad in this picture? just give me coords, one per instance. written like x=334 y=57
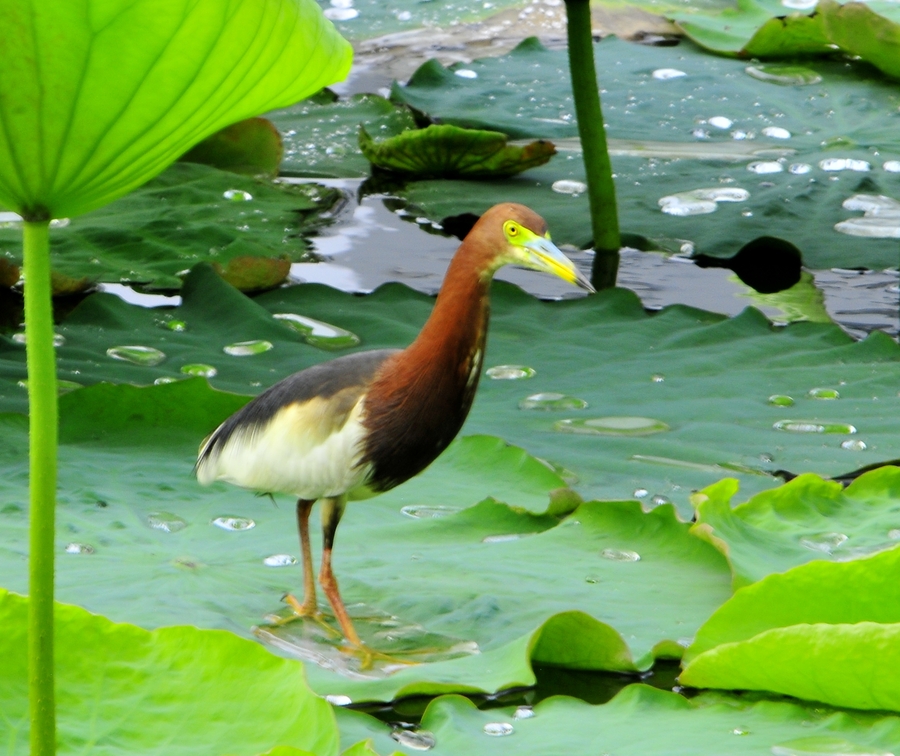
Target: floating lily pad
x=122 y=689
x=451 y=152
x=804 y=520
x=189 y=213
x=870 y=30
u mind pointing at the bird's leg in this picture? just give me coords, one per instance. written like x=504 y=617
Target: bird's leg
x=308 y=607
x=332 y=509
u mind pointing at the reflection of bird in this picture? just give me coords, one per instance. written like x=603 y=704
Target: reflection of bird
x=364 y=423
x=767 y=264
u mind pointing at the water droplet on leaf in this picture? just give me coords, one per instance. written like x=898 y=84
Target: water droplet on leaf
x=282 y=560
x=137 y=355
x=824 y=542
x=823 y=393
x=58 y=339
x=418 y=740
x=721 y=122
x=612 y=426
x=247 y=348
x=620 y=555
x=844 y=164
x=813 y=426
x=510 y=372
x=426 y=512
x=552 y=401
x=317 y=333
x=163 y=379
x=765 y=166
x=781 y=400
x=776 y=132
x=785 y=75
x=523 y=712
x=227 y=522
x=204 y=371
x=466 y=73
x=498 y=729
x=501 y=538
x=567 y=186
x=176 y=325
x=664 y=74
x=658 y=378
x=640 y=493
x=854 y=444
x=237 y=195
x=166 y=522
x=79 y=548
x=338 y=700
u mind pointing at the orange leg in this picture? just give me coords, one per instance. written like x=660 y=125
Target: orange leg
x=308 y=607
x=332 y=509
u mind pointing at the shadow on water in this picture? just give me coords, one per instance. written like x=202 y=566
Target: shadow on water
x=591 y=687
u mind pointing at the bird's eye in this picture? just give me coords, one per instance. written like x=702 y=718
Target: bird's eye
x=511 y=228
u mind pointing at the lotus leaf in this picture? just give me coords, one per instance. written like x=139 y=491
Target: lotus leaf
x=639 y=720
x=451 y=152
x=676 y=367
x=788 y=147
x=821 y=631
x=190 y=212
x=757 y=29
x=252 y=147
x=870 y=30
x=804 y=520
x=177 y=690
x=110 y=116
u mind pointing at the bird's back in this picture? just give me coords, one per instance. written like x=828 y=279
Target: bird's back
x=301 y=436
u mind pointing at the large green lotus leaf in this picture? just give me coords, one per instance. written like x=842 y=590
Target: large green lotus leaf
x=447 y=151
x=321 y=134
x=177 y=690
x=187 y=214
x=143 y=545
x=849 y=112
x=97 y=98
x=639 y=720
x=757 y=28
x=816 y=593
x=676 y=367
x=870 y=30
x=822 y=631
x=806 y=519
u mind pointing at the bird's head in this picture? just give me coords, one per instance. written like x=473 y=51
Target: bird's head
x=516 y=235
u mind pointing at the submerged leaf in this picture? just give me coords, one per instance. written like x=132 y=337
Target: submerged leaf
x=255 y=273
x=447 y=151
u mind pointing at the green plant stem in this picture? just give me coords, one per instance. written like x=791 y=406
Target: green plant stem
x=42 y=416
x=601 y=190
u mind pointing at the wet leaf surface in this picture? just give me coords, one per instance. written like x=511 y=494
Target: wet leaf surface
x=189 y=213
x=792 y=191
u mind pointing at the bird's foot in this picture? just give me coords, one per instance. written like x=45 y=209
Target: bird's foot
x=370 y=657
x=301 y=611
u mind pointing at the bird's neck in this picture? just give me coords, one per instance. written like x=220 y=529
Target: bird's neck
x=457 y=328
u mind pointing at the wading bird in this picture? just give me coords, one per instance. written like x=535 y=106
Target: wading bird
x=364 y=423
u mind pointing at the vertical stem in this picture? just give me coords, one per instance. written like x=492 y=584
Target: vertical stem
x=601 y=190
x=42 y=412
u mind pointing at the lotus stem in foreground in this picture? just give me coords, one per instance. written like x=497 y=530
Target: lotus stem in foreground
x=42 y=418
x=601 y=190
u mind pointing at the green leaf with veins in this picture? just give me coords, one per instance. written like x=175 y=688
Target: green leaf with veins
x=87 y=118
x=639 y=720
x=176 y=690
x=187 y=214
x=804 y=520
x=824 y=631
x=451 y=152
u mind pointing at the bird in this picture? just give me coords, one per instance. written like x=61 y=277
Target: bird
x=363 y=423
